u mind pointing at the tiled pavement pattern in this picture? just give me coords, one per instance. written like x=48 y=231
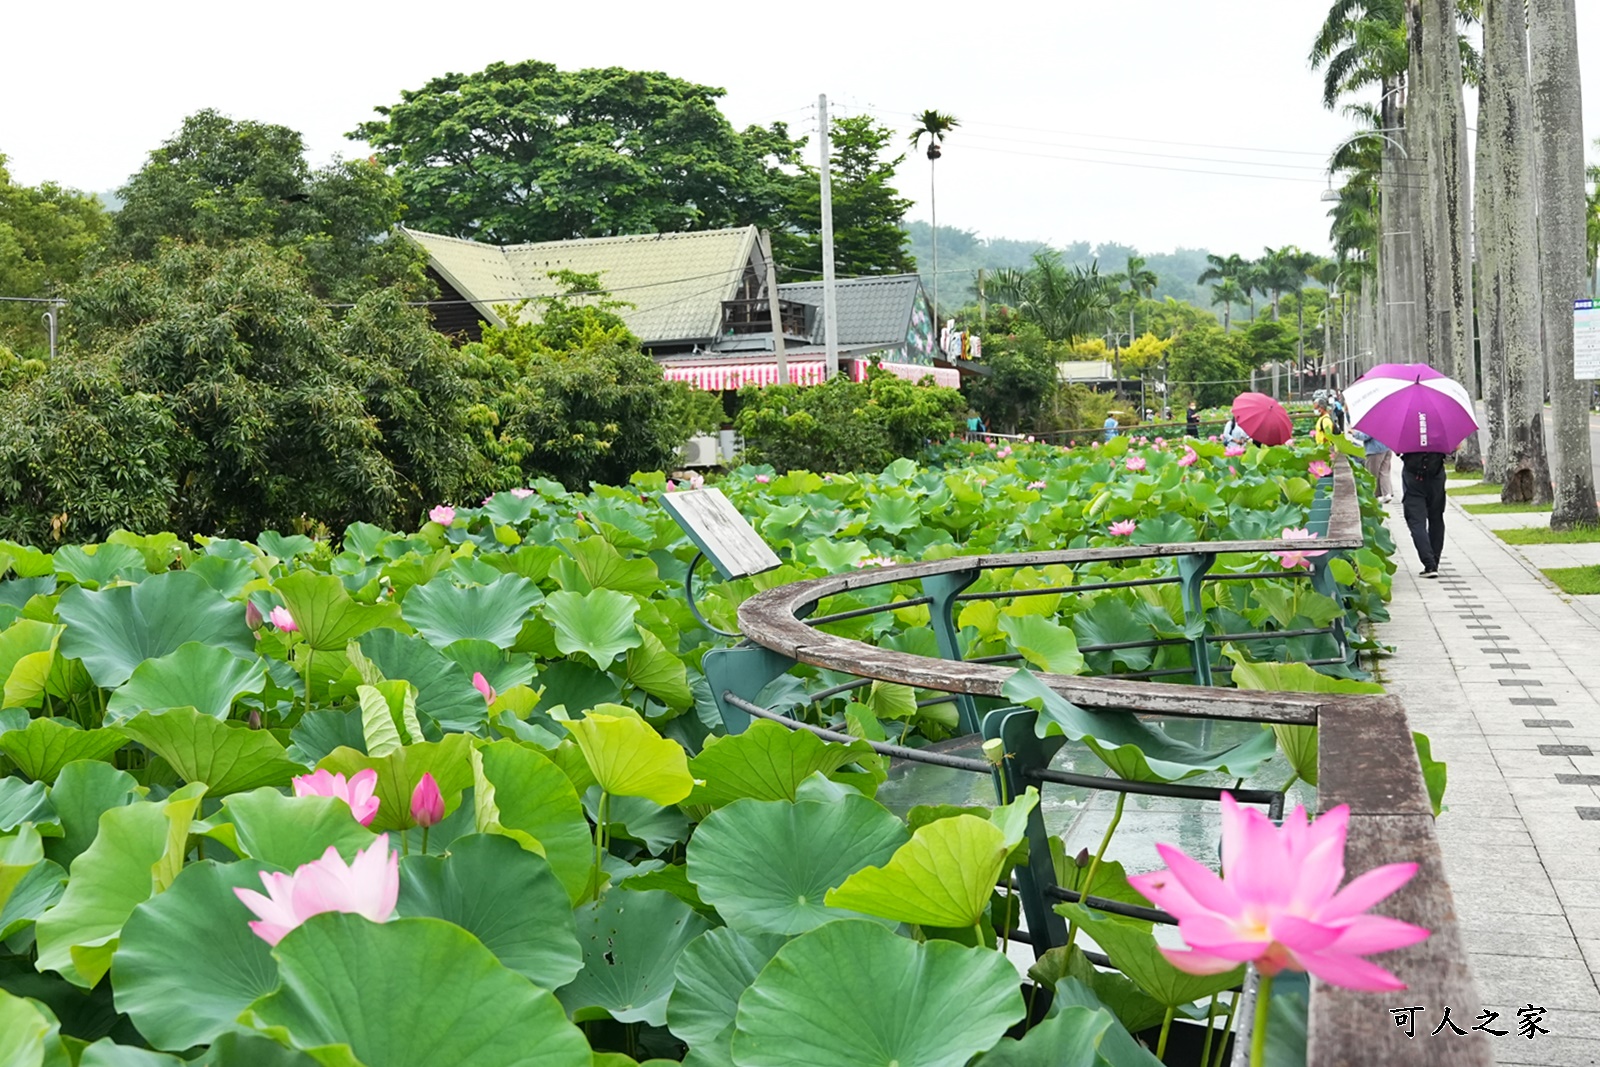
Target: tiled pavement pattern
x=1503 y=673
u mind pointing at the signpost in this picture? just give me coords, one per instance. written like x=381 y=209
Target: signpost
x=1585 y=339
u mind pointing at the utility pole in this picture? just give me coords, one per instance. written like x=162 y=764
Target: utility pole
x=772 y=309
x=830 y=309
x=983 y=301
x=50 y=325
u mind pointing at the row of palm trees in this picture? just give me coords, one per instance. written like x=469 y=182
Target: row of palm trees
x=1236 y=280
x=1472 y=273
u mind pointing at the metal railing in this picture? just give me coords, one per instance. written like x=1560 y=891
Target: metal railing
x=1366 y=758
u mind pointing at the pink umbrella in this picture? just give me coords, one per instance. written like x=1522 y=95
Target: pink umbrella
x=1263 y=418
x=1411 y=408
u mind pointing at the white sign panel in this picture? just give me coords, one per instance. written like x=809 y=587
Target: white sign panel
x=1585 y=339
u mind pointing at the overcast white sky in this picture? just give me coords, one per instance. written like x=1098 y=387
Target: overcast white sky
x=1080 y=121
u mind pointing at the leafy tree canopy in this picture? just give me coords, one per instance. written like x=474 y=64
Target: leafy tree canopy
x=1209 y=366
x=220 y=180
x=528 y=152
x=844 y=425
x=46 y=233
x=868 y=212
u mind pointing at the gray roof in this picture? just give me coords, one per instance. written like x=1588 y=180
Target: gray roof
x=872 y=311
x=676 y=282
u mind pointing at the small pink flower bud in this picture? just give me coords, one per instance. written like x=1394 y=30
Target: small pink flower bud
x=427 y=804
x=252 y=615
x=481 y=684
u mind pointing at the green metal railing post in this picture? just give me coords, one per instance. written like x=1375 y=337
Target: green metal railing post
x=1026 y=753
x=745 y=671
x=1192 y=570
x=942 y=590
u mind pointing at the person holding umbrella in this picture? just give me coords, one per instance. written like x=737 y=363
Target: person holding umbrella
x=1423 y=416
x=1258 y=418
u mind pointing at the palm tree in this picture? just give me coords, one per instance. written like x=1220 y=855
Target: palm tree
x=1227 y=293
x=1278 y=275
x=1064 y=302
x=1221 y=267
x=1362 y=43
x=1250 y=280
x=1298 y=265
x=933 y=125
x=1140 y=283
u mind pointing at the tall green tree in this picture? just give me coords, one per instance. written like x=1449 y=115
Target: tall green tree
x=220 y=180
x=46 y=235
x=1227 y=293
x=1064 y=302
x=529 y=152
x=869 y=235
x=1141 y=281
x=935 y=126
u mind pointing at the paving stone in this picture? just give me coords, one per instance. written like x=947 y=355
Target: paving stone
x=1534 y=702
x=1564 y=750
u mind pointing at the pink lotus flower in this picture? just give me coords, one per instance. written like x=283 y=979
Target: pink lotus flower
x=1036 y=485
x=368 y=886
x=876 y=561
x=522 y=494
x=481 y=684
x=1319 y=469
x=762 y=479
x=1233 y=450
x=427 y=803
x=1072 y=443
x=1212 y=438
x=1003 y=453
x=1160 y=442
x=444 y=514
x=357 y=792
x=252 y=615
x=671 y=486
x=1029 y=439
x=1188 y=459
x=281 y=618
x=1124 y=528
x=696 y=481
x=1278 y=903
x=1291 y=560
x=1094 y=444
x=1134 y=463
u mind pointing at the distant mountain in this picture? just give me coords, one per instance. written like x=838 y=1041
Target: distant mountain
x=962 y=252
x=109 y=200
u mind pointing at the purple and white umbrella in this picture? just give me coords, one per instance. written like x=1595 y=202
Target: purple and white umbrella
x=1411 y=408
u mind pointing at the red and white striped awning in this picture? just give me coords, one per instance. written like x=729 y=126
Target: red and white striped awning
x=911 y=372
x=719 y=376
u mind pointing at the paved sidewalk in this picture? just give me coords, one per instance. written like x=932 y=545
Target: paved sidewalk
x=1503 y=673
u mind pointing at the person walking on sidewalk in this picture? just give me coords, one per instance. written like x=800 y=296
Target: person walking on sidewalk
x=1377 y=462
x=1422 y=500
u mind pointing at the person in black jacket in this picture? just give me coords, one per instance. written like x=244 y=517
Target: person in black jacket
x=1192 y=420
x=1422 y=500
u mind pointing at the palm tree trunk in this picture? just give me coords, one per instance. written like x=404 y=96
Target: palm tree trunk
x=1558 y=137
x=933 y=211
x=1421 y=137
x=1491 y=349
x=1527 y=472
x=1227 y=317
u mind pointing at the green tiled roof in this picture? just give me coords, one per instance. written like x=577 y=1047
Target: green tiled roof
x=676 y=281
x=872 y=311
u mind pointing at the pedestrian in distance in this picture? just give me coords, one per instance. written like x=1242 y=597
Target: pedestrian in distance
x=1422 y=478
x=1377 y=460
x=1111 y=425
x=1322 y=430
x=1191 y=420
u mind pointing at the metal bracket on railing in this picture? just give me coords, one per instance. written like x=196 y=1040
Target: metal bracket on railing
x=941 y=591
x=1026 y=752
x=743 y=671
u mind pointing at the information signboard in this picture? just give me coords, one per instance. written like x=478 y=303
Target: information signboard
x=1586 y=339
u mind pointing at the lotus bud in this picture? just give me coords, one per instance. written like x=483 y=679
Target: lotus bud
x=252 y=615
x=994 y=750
x=255 y=719
x=481 y=684
x=1083 y=859
x=427 y=804
x=281 y=618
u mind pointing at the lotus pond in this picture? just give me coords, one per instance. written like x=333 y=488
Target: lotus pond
x=461 y=794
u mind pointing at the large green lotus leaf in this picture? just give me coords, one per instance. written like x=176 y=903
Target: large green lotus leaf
x=410 y=993
x=135 y=855
x=249 y=1049
x=501 y=669
x=289 y=831
x=658 y=672
x=107 y=1053
x=712 y=974
x=1134 y=952
x=388 y=716
x=188 y=962
x=852 y=992
x=767 y=762
x=27 y=651
x=195 y=676
x=20 y=852
x=227 y=576
x=444 y=691
x=320 y=732
x=893 y=511
x=26 y=1032
x=1075 y=1036
x=325 y=613
x=1108 y=621
x=1134 y=750
x=521 y=793
x=45 y=746
x=628 y=758
x=115 y=630
x=593 y=563
x=83 y=792
x=944 y=876
x=228 y=758
x=449 y=761
x=1044 y=643
x=598 y=623
x=28 y=802
x=38 y=891
x=631 y=944
x=98 y=565
x=503 y=895
x=767 y=866
x=575 y=686
x=284 y=547
x=1293 y=677
x=444 y=612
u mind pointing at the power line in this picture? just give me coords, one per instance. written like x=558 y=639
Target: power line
x=1155 y=166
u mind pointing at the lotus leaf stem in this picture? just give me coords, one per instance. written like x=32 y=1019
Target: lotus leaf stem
x=1228 y=1019
x=1094 y=864
x=1258 y=1029
x=425 y=830
x=1166 y=1029
x=1211 y=1018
